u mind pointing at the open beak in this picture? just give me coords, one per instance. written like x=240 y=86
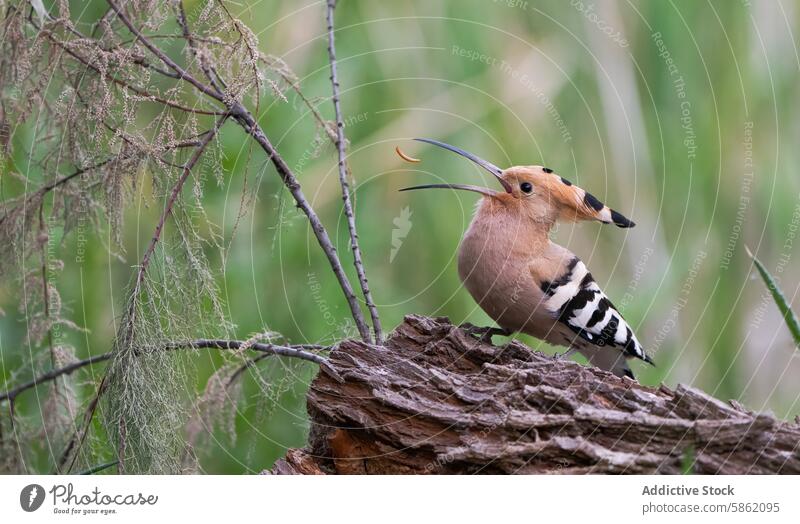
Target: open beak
x=465 y=187
x=488 y=166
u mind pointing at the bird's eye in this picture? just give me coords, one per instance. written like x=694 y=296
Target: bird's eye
x=526 y=187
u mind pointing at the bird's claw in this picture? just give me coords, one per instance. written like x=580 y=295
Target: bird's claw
x=564 y=355
x=484 y=334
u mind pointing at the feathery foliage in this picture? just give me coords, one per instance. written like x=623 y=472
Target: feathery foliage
x=84 y=93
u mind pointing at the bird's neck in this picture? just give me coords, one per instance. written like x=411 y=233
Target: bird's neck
x=503 y=228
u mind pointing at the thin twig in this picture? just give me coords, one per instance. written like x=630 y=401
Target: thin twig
x=348 y=205
x=77 y=173
x=271 y=349
x=187 y=34
x=11 y=394
x=182 y=73
x=80 y=435
x=253 y=55
x=126 y=85
x=144 y=63
x=246 y=119
x=300 y=351
x=295 y=86
x=44 y=234
x=138 y=60
x=251 y=362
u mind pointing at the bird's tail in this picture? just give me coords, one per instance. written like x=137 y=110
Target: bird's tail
x=609 y=359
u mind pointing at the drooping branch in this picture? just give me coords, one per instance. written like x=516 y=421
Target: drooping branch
x=246 y=119
x=346 y=198
x=299 y=351
x=173 y=197
x=76 y=441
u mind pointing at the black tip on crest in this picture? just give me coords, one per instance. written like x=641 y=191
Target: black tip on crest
x=592 y=202
x=620 y=220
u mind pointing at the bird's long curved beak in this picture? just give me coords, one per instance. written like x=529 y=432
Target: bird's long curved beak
x=464 y=187
x=488 y=166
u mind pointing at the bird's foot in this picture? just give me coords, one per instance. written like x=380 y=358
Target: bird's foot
x=484 y=334
x=568 y=353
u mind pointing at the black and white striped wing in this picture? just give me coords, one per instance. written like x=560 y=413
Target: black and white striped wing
x=578 y=302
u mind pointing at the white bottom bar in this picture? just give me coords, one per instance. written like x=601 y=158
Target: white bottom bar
x=233 y=499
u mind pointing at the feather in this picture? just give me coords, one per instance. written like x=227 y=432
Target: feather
x=578 y=302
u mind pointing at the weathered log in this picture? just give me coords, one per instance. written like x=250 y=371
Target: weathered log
x=436 y=400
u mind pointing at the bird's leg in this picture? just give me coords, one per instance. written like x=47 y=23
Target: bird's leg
x=566 y=354
x=484 y=334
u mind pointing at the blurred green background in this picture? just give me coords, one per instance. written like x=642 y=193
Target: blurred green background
x=682 y=115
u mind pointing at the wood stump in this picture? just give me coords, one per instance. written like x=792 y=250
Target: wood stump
x=434 y=399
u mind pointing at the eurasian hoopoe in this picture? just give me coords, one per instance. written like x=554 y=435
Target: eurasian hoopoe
x=528 y=284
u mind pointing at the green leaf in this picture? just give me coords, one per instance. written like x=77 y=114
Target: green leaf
x=780 y=300
x=687 y=460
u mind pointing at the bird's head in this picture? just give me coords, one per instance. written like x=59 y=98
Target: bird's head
x=534 y=191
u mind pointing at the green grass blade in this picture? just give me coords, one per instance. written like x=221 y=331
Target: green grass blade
x=687 y=460
x=98 y=468
x=780 y=300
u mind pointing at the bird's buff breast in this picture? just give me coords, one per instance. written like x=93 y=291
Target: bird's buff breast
x=501 y=283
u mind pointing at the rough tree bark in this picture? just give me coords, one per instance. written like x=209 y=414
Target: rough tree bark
x=435 y=400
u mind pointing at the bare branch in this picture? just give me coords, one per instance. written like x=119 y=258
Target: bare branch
x=246 y=119
x=348 y=206
x=300 y=351
x=11 y=394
